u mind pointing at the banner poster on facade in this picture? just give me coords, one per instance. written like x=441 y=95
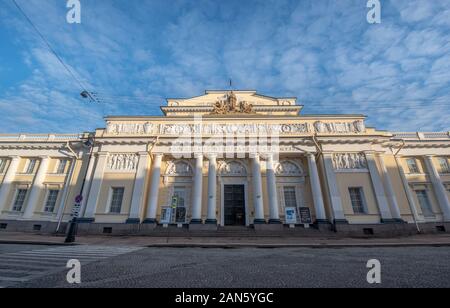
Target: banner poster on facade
x=291 y=215
x=166 y=215
x=305 y=215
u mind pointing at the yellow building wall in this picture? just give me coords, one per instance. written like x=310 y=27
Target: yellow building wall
x=353 y=179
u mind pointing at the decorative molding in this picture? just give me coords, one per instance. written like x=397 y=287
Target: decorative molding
x=179 y=168
x=232 y=168
x=349 y=161
x=288 y=168
x=130 y=128
x=229 y=104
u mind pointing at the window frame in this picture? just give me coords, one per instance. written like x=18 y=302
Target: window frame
x=16 y=196
x=30 y=162
x=111 y=200
x=444 y=160
x=362 y=196
x=47 y=197
x=61 y=162
x=415 y=166
x=428 y=201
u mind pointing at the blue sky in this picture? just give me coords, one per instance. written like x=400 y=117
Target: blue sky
x=135 y=53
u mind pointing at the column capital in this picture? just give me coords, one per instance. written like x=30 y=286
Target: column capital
x=143 y=153
x=44 y=157
x=198 y=155
x=212 y=156
x=429 y=156
x=99 y=154
x=254 y=155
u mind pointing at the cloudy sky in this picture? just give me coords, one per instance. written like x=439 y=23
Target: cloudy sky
x=135 y=53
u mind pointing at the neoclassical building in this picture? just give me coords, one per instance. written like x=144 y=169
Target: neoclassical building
x=225 y=159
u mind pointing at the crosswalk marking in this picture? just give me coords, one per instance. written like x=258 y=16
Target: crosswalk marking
x=19 y=267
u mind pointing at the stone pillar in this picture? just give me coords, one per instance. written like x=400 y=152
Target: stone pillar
x=96 y=185
x=409 y=195
x=272 y=191
x=257 y=191
x=383 y=205
x=212 y=190
x=197 y=191
x=319 y=206
x=7 y=181
x=395 y=209
x=154 y=190
x=438 y=187
x=138 y=190
x=37 y=188
x=335 y=196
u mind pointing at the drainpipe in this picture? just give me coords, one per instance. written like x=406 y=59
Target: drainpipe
x=406 y=185
x=69 y=179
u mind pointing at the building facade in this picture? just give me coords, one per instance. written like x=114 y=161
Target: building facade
x=228 y=158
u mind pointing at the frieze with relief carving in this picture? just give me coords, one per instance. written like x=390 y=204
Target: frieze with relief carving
x=122 y=162
x=339 y=127
x=320 y=127
x=349 y=161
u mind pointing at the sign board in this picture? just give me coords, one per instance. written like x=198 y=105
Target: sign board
x=76 y=210
x=305 y=215
x=174 y=201
x=290 y=215
x=166 y=215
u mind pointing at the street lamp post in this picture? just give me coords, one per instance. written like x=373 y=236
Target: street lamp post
x=70 y=237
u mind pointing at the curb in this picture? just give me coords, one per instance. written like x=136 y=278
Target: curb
x=37 y=243
x=316 y=246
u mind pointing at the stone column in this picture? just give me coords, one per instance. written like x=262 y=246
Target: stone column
x=212 y=190
x=197 y=191
x=319 y=206
x=335 y=195
x=154 y=190
x=7 y=181
x=272 y=191
x=438 y=187
x=257 y=191
x=395 y=209
x=409 y=195
x=37 y=188
x=138 y=190
x=96 y=185
x=383 y=205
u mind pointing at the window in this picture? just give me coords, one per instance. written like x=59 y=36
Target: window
x=20 y=200
x=179 y=196
x=31 y=165
x=412 y=165
x=2 y=165
x=424 y=203
x=61 y=166
x=443 y=162
x=51 y=201
x=116 y=200
x=290 y=198
x=357 y=199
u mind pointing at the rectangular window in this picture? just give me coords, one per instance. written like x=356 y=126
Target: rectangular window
x=412 y=165
x=51 y=201
x=180 y=210
x=61 y=166
x=290 y=198
x=20 y=200
x=443 y=163
x=31 y=165
x=116 y=200
x=2 y=165
x=424 y=203
x=357 y=199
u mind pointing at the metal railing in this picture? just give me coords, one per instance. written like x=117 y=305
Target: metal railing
x=39 y=137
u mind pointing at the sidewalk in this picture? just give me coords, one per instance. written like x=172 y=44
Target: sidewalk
x=230 y=242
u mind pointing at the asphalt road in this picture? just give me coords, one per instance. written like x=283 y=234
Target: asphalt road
x=38 y=266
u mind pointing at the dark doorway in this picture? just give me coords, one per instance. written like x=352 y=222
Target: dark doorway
x=234 y=204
